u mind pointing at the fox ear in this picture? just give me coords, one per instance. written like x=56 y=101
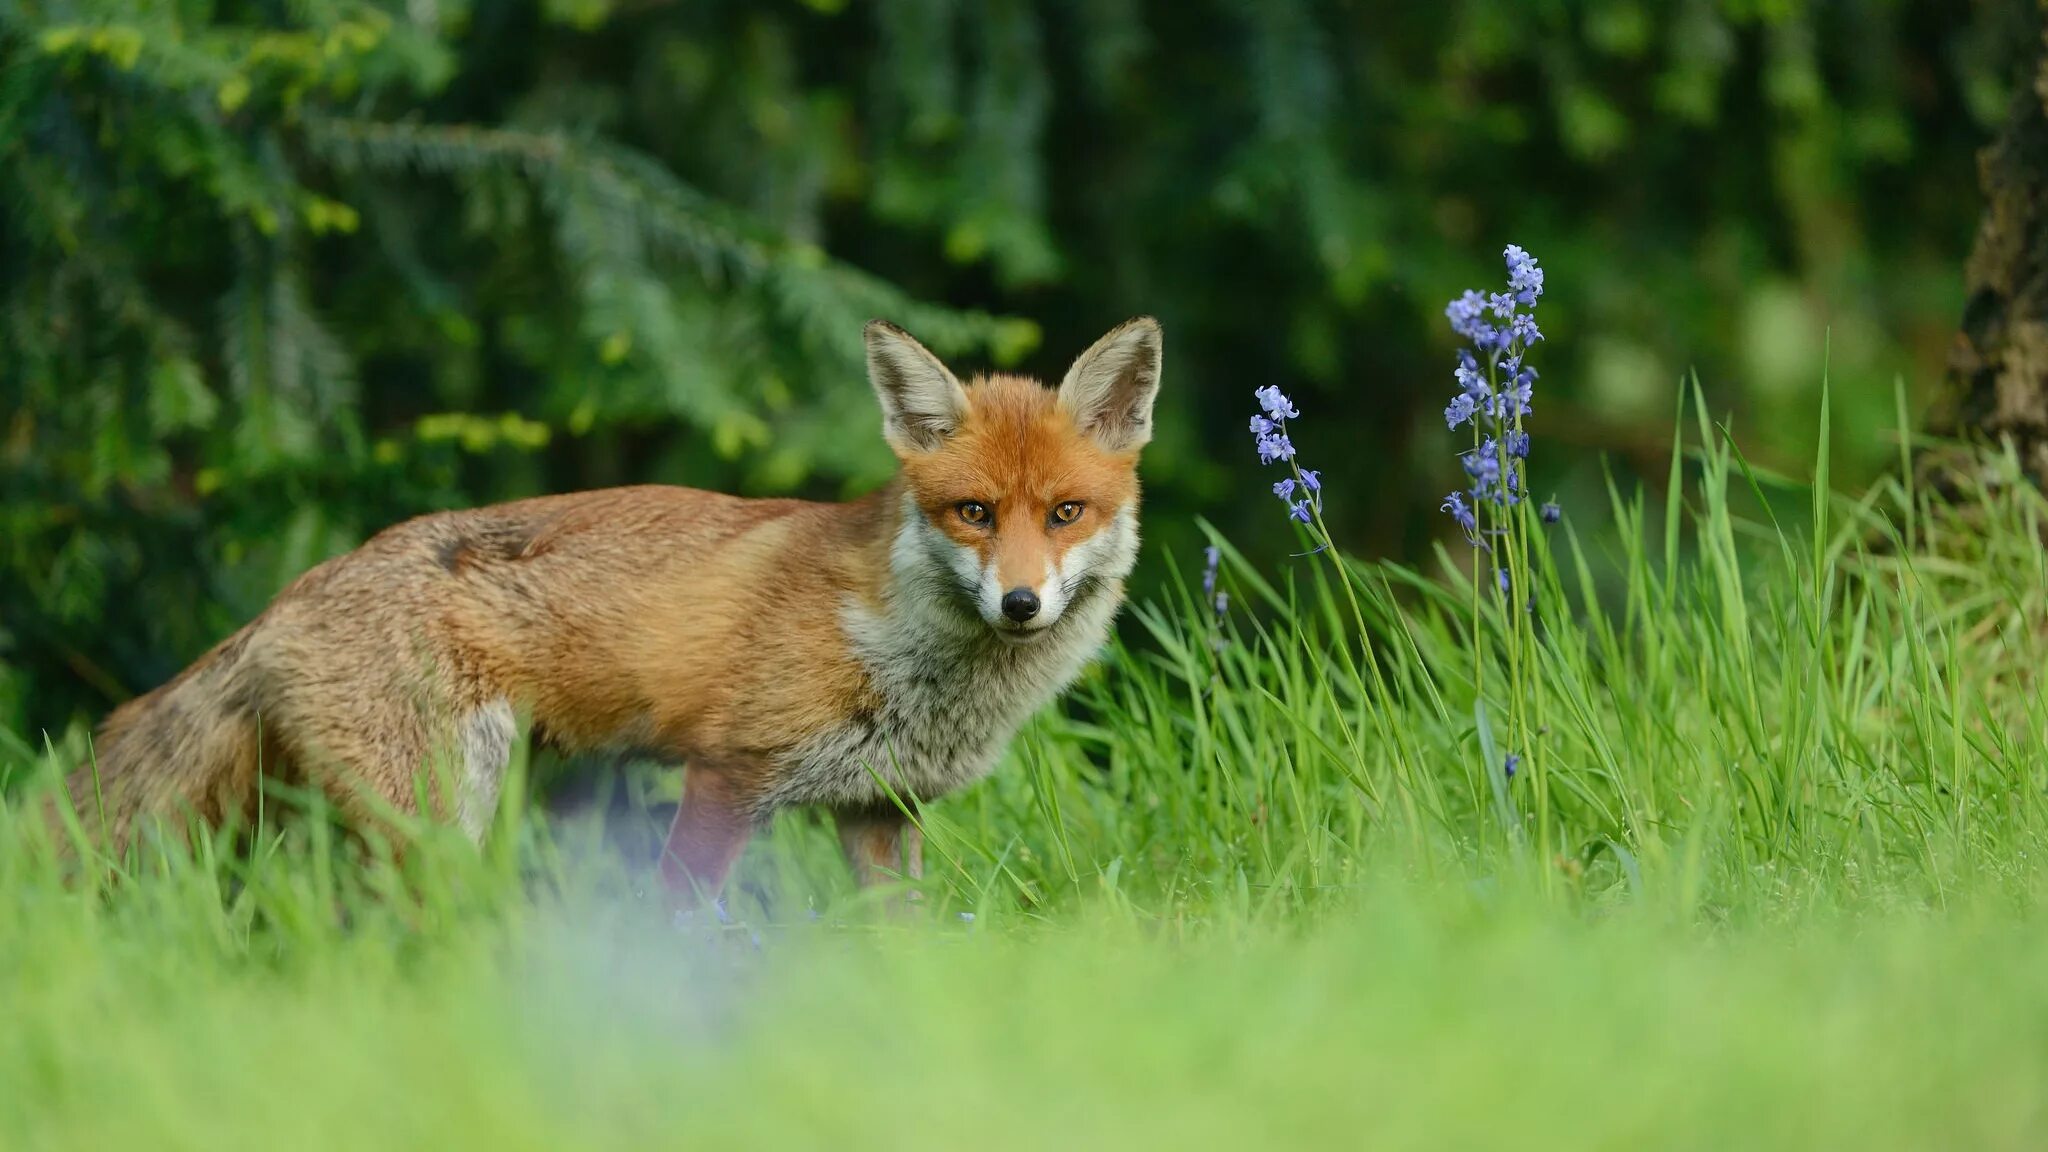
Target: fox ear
x=1109 y=389
x=922 y=404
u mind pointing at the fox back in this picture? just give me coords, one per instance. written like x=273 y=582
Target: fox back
x=863 y=655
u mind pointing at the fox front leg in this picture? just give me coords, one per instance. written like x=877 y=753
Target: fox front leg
x=882 y=844
x=711 y=828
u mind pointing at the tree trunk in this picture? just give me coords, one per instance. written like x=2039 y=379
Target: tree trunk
x=1998 y=369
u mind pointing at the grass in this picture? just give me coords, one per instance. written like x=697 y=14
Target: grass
x=1768 y=875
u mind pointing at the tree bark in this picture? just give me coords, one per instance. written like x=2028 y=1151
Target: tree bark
x=1997 y=383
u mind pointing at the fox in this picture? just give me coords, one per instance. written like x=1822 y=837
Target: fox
x=862 y=656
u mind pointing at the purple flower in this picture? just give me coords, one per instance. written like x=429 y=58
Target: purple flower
x=1525 y=279
x=1515 y=402
x=1495 y=384
x=1275 y=402
x=1502 y=576
x=1459 y=410
x=1460 y=511
x=1550 y=512
x=1212 y=557
x=1517 y=394
x=1514 y=761
x=1269 y=433
x=1482 y=464
x=1471 y=380
x=1467 y=315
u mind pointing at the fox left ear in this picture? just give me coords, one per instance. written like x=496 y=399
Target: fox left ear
x=1110 y=388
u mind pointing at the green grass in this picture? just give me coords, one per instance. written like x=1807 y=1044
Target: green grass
x=1768 y=875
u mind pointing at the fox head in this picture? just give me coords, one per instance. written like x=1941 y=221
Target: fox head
x=1024 y=497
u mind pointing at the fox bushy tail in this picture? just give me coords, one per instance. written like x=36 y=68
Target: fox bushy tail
x=191 y=748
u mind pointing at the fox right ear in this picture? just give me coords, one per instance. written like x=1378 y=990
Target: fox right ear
x=922 y=404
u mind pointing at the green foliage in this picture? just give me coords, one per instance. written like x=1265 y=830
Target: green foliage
x=259 y=257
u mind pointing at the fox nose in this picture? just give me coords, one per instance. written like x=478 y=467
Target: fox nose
x=1020 y=604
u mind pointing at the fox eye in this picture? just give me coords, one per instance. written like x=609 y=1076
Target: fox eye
x=974 y=512
x=1067 y=512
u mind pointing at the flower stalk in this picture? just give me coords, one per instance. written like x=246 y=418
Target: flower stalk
x=1496 y=389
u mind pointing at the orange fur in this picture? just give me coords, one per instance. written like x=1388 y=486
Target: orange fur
x=1022 y=456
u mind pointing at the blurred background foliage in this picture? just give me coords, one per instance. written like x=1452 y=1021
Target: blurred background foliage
x=276 y=273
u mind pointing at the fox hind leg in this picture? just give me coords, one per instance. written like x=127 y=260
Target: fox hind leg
x=386 y=760
x=483 y=748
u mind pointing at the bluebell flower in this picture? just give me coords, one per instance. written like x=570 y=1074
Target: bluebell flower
x=1525 y=279
x=1212 y=557
x=1459 y=410
x=1275 y=402
x=1467 y=315
x=1482 y=464
x=1502 y=576
x=1495 y=385
x=1550 y=512
x=1515 y=399
x=1514 y=761
x=1269 y=434
x=1460 y=511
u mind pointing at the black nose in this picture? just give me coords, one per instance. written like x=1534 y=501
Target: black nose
x=1020 y=604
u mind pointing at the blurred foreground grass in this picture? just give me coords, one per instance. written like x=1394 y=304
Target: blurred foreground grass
x=1418 y=1018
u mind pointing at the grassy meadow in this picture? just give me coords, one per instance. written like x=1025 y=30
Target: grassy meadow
x=1766 y=873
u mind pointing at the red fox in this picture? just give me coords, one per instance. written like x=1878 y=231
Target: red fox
x=784 y=652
